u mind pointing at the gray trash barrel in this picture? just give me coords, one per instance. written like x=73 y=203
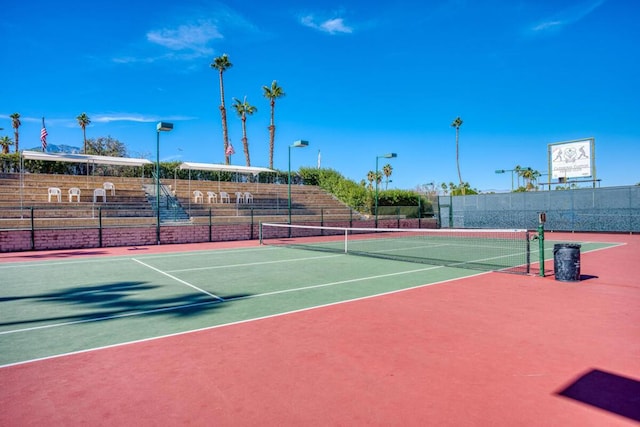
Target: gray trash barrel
x=566 y=262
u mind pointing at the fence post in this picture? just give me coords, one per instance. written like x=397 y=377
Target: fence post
x=251 y=235
x=33 y=231
x=450 y=210
x=99 y=227
x=210 y=227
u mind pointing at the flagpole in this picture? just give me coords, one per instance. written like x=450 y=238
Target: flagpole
x=43 y=136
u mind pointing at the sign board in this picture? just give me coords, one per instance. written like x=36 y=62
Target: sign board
x=572 y=159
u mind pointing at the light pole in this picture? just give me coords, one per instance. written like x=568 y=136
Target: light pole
x=384 y=156
x=164 y=127
x=296 y=144
x=507 y=170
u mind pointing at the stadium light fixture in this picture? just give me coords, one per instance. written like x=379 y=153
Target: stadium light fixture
x=297 y=144
x=384 y=156
x=507 y=170
x=160 y=127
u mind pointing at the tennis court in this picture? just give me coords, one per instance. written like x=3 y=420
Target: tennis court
x=276 y=335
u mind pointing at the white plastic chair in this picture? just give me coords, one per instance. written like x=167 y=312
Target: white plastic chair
x=239 y=197
x=55 y=192
x=99 y=192
x=224 y=197
x=110 y=186
x=197 y=195
x=248 y=197
x=74 y=192
x=212 y=197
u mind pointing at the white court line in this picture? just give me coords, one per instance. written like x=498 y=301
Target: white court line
x=253 y=263
x=108 y=258
x=180 y=307
x=179 y=280
x=239 y=322
x=110 y=317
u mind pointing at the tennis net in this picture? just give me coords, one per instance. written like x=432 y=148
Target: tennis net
x=480 y=249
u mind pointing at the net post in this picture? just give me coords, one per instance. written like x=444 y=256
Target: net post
x=528 y=254
x=541 y=247
x=260 y=232
x=346 y=240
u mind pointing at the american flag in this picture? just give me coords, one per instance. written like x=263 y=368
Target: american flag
x=43 y=136
x=230 y=151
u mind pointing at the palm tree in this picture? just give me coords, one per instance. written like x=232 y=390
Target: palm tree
x=518 y=170
x=15 y=123
x=387 y=170
x=530 y=176
x=456 y=124
x=243 y=108
x=222 y=64
x=84 y=121
x=371 y=177
x=5 y=143
x=272 y=93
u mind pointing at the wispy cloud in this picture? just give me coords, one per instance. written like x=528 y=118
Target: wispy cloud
x=565 y=17
x=331 y=26
x=194 y=38
x=139 y=118
x=189 y=39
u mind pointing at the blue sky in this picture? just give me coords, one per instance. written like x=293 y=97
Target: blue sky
x=361 y=79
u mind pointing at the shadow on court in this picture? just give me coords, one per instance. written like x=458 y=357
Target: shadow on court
x=116 y=300
x=608 y=391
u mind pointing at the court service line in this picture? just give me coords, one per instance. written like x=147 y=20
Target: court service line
x=180 y=307
x=238 y=322
x=244 y=264
x=178 y=280
x=110 y=317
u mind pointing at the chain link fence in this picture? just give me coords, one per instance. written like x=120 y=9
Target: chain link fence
x=611 y=209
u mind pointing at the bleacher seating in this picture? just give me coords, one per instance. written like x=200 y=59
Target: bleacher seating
x=128 y=204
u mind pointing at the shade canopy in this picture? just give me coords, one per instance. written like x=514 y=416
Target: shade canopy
x=84 y=158
x=224 y=168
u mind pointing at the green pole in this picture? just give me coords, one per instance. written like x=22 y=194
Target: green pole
x=100 y=227
x=541 y=247
x=158 y=186
x=33 y=230
x=376 y=202
x=289 y=189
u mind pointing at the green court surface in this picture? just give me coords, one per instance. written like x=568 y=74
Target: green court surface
x=56 y=307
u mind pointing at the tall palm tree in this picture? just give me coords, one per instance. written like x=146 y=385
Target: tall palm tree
x=222 y=64
x=15 y=123
x=243 y=108
x=456 y=124
x=84 y=121
x=5 y=143
x=387 y=170
x=272 y=93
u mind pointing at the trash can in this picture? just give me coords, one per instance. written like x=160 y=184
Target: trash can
x=566 y=262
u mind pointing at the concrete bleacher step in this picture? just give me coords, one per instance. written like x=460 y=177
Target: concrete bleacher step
x=132 y=205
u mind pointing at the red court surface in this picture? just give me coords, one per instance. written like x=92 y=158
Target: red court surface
x=489 y=350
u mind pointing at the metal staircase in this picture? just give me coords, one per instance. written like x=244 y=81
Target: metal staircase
x=171 y=211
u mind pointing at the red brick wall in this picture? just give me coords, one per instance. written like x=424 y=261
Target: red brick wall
x=46 y=239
